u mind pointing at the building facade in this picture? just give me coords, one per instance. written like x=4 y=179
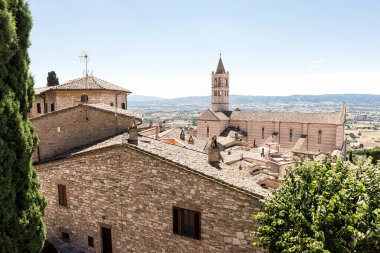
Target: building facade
x=317 y=132
x=88 y=89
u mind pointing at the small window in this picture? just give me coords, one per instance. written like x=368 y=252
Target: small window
x=90 y=240
x=65 y=237
x=84 y=98
x=319 y=136
x=111 y=104
x=262 y=133
x=123 y=106
x=52 y=108
x=187 y=223
x=38 y=108
x=291 y=135
x=208 y=131
x=62 y=197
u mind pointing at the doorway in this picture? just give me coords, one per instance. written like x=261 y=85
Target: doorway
x=106 y=240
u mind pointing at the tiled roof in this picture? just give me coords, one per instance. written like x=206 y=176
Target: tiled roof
x=39 y=90
x=90 y=83
x=102 y=107
x=321 y=118
x=113 y=109
x=190 y=159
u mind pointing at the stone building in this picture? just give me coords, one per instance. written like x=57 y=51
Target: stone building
x=306 y=132
x=88 y=89
x=109 y=190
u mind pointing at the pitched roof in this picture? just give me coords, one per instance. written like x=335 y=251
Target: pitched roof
x=103 y=107
x=220 y=69
x=189 y=159
x=210 y=115
x=321 y=118
x=39 y=90
x=83 y=83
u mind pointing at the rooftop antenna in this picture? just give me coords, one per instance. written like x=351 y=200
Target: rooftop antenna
x=220 y=53
x=84 y=58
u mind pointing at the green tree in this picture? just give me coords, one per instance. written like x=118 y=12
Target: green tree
x=52 y=79
x=350 y=158
x=323 y=207
x=374 y=153
x=21 y=204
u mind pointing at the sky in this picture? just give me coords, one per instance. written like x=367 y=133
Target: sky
x=169 y=48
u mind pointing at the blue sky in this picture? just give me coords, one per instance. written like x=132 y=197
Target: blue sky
x=169 y=48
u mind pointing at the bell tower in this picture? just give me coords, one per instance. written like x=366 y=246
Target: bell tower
x=220 y=88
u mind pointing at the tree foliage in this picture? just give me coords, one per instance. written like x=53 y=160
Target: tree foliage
x=21 y=204
x=52 y=79
x=374 y=153
x=323 y=207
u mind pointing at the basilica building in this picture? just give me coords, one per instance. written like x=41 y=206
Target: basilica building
x=303 y=133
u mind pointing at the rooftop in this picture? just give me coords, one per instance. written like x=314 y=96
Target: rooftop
x=191 y=159
x=83 y=83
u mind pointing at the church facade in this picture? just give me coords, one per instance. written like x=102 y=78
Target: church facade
x=301 y=132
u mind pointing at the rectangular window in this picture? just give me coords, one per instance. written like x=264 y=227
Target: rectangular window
x=111 y=104
x=62 y=197
x=319 y=136
x=123 y=106
x=187 y=223
x=38 y=108
x=52 y=108
x=65 y=236
x=291 y=135
x=90 y=240
x=262 y=133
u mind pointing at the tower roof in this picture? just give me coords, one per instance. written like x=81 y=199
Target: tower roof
x=220 y=69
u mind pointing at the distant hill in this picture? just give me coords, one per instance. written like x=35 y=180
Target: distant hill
x=353 y=99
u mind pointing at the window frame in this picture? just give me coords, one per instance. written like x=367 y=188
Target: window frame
x=319 y=137
x=187 y=223
x=39 y=108
x=62 y=195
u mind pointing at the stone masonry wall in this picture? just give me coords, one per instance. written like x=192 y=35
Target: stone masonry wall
x=62 y=131
x=133 y=193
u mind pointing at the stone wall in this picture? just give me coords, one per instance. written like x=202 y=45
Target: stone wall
x=61 y=131
x=133 y=193
x=215 y=127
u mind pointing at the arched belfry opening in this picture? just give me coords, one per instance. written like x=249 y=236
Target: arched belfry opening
x=220 y=88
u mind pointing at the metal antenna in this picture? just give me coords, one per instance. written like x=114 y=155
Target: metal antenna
x=84 y=58
x=220 y=53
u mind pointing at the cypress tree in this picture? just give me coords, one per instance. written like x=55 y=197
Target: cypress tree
x=52 y=79
x=21 y=204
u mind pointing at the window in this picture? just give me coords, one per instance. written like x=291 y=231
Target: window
x=65 y=236
x=319 y=136
x=111 y=104
x=38 y=108
x=52 y=108
x=208 y=131
x=187 y=223
x=262 y=133
x=90 y=240
x=62 y=197
x=290 y=134
x=123 y=106
x=84 y=98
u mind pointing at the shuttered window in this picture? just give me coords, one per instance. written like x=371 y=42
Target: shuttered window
x=187 y=223
x=62 y=197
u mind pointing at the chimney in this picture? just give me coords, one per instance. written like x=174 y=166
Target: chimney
x=157 y=131
x=133 y=138
x=191 y=140
x=214 y=152
x=182 y=135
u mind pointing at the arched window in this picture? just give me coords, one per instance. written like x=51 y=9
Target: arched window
x=262 y=133
x=84 y=98
x=291 y=135
x=219 y=81
x=319 y=136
